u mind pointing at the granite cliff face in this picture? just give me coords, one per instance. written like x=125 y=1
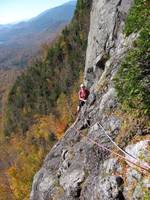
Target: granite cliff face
x=76 y=167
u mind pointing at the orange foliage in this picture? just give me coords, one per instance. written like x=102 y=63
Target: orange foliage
x=27 y=152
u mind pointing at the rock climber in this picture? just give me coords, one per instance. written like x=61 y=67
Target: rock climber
x=83 y=95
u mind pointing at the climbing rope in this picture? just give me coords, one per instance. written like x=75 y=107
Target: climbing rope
x=111 y=151
x=123 y=151
x=115 y=153
x=145 y=166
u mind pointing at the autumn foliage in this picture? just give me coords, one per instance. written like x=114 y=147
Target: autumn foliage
x=41 y=105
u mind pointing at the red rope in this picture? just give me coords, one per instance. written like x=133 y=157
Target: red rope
x=111 y=151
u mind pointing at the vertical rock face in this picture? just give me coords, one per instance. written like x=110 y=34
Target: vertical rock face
x=107 y=22
x=76 y=167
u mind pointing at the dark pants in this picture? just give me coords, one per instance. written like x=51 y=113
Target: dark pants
x=81 y=103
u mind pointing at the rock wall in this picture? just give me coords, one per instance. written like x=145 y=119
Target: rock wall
x=105 y=36
x=77 y=168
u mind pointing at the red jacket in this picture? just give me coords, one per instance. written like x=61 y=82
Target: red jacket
x=83 y=93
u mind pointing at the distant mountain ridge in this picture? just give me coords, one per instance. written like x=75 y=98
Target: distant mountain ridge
x=19 y=42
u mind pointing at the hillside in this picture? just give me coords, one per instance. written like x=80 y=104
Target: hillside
x=39 y=88
x=7 y=79
x=20 y=42
x=40 y=108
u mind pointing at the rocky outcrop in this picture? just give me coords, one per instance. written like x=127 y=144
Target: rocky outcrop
x=105 y=37
x=76 y=167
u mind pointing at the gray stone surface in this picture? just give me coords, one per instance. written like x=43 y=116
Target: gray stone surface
x=140 y=151
x=108 y=101
x=107 y=21
x=43 y=184
x=112 y=166
x=107 y=188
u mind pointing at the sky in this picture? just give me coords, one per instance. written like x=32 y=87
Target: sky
x=12 y=11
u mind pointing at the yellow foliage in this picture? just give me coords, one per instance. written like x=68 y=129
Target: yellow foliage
x=26 y=164
x=27 y=152
x=42 y=127
x=63 y=108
